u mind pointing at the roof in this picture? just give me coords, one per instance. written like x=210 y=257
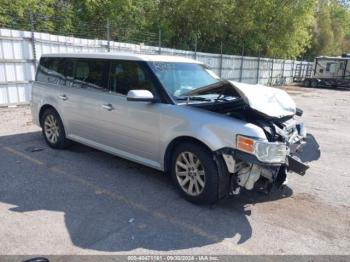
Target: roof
x=125 y=56
x=333 y=58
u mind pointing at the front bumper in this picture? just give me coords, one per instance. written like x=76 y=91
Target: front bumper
x=296 y=166
x=292 y=163
x=245 y=170
x=230 y=160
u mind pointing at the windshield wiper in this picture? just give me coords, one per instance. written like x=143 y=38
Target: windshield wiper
x=208 y=88
x=193 y=98
x=222 y=99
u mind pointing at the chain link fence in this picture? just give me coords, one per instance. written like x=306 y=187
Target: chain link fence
x=20 y=51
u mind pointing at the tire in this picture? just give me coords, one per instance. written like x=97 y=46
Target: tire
x=52 y=124
x=307 y=83
x=203 y=176
x=314 y=84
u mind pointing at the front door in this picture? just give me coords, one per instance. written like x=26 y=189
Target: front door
x=134 y=125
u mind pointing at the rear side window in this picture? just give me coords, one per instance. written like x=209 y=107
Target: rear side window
x=51 y=70
x=129 y=75
x=91 y=73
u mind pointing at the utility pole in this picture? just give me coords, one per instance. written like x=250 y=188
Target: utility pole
x=272 y=69
x=258 y=70
x=160 y=41
x=195 y=47
x=241 y=67
x=32 y=29
x=108 y=35
x=221 y=59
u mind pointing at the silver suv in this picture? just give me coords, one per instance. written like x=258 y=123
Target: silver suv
x=173 y=114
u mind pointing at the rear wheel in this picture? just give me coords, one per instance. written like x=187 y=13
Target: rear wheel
x=195 y=173
x=314 y=83
x=307 y=83
x=53 y=129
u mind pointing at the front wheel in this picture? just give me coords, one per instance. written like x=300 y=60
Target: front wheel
x=195 y=173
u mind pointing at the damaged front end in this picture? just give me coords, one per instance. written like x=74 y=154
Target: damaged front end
x=256 y=161
x=262 y=164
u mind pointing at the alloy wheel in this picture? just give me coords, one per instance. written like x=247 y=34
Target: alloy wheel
x=190 y=173
x=51 y=128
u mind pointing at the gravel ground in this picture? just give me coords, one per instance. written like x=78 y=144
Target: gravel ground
x=83 y=201
x=16 y=120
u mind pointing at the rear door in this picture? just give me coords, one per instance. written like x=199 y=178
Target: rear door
x=82 y=97
x=97 y=112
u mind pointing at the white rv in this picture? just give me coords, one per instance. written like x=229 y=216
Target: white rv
x=330 y=72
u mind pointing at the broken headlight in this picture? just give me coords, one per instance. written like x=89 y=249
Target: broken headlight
x=269 y=152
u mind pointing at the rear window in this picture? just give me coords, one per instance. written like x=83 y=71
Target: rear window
x=91 y=73
x=51 y=70
x=77 y=72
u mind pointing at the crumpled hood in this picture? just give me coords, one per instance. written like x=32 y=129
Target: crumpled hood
x=270 y=101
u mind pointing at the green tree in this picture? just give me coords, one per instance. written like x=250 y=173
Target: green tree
x=270 y=27
x=48 y=15
x=331 y=33
x=182 y=21
x=128 y=19
x=273 y=28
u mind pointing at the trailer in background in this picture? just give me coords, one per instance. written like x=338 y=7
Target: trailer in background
x=330 y=72
x=302 y=71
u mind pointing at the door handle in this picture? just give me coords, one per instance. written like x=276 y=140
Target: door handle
x=108 y=107
x=63 y=97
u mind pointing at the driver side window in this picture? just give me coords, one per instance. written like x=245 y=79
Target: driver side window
x=129 y=75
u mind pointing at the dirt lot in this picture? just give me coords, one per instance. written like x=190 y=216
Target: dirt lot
x=83 y=201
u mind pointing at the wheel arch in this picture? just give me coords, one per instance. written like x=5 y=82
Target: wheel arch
x=176 y=141
x=43 y=108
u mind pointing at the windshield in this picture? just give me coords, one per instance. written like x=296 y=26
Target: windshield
x=181 y=78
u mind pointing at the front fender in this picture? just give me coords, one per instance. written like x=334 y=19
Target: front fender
x=214 y=130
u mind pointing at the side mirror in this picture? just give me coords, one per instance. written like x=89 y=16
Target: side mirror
x=140 y=95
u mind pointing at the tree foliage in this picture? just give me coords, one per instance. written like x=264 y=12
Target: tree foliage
x=331 y=33
x=272 y=28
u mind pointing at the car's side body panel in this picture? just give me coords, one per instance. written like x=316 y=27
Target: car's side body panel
x=138 y=131
x=42 y=95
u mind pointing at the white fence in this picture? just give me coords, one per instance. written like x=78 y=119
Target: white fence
x=21 y=50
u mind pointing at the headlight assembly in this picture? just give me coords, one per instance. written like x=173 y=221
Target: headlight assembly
x=269 y=152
